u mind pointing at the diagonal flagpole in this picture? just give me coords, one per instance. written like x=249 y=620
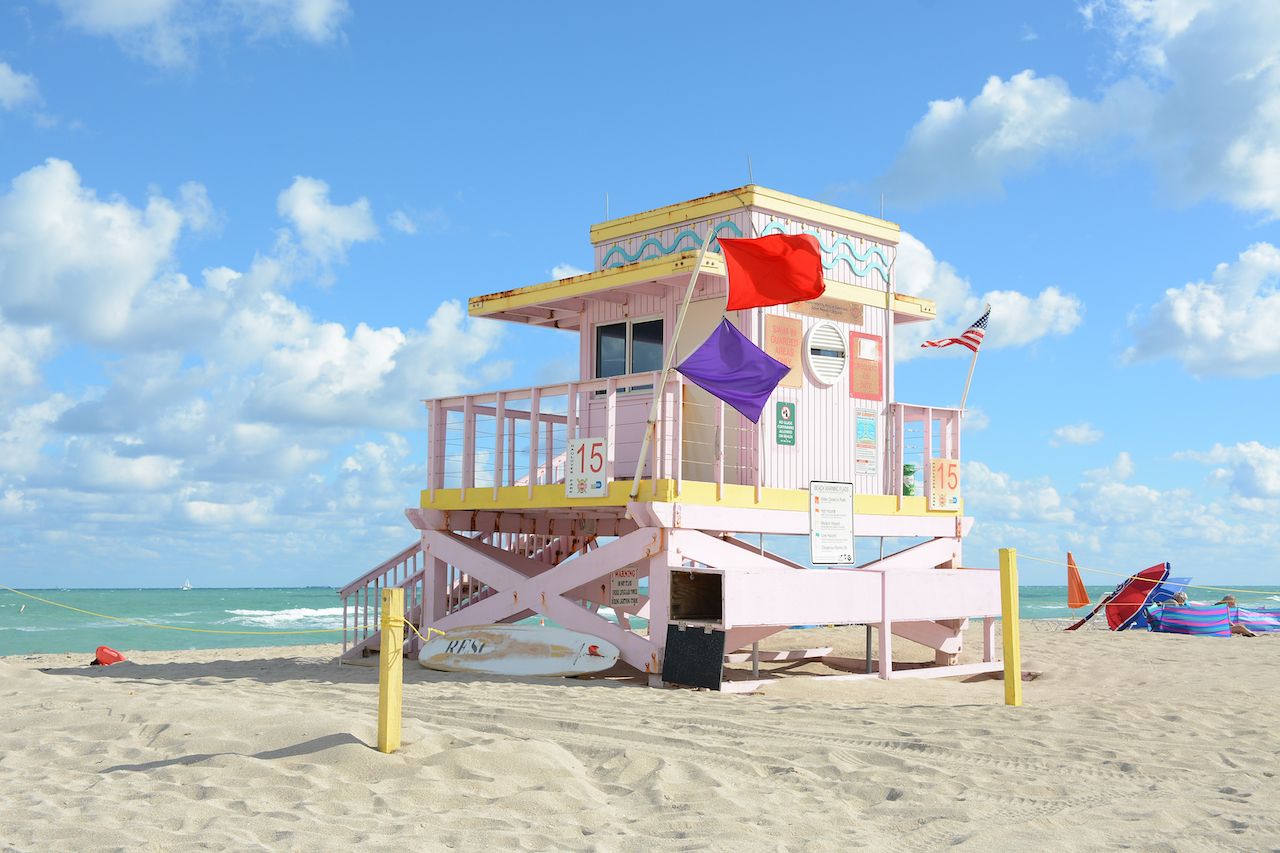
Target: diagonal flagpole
x=666 y=367
x=965 y=396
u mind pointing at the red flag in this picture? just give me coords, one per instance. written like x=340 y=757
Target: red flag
x=1077 y=595
x=774 y=270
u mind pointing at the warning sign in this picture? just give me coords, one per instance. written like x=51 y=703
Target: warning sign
x=624 y=588
x=786 y=424
x=782 y=339
x=830 y=523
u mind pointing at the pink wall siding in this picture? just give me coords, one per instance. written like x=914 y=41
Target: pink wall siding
x=826 y=415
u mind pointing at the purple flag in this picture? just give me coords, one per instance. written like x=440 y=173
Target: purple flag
x=732 y=368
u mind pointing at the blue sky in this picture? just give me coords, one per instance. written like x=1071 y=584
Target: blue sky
x=236 y=240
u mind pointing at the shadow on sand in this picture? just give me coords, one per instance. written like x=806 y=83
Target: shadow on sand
x=307 y=747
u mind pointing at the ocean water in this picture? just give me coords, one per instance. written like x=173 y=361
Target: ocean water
x=31 y=627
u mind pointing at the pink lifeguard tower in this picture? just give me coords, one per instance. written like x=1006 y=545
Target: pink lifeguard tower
x=528 y=508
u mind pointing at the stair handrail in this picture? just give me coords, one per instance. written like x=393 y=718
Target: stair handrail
x=380 y=570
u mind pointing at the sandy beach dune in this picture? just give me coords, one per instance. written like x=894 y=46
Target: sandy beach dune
x=1134 y=741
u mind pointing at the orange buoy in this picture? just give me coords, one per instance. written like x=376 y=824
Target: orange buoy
x=106 y=656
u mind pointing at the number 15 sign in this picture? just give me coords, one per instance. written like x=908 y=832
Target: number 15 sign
x=944 y=484
x=584 y=475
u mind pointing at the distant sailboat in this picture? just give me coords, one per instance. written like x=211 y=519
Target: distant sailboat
x=186 y=584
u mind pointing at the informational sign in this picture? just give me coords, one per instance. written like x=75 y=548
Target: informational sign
x=944 y=484
x=864 y=448
x=584 y=477
x=830 y=523
x=786 y=424
x=783 y=337
x=828 y=308
x=866 y=366
x=624 y=588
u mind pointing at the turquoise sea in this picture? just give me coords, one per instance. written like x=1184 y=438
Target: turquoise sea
x=31 y=627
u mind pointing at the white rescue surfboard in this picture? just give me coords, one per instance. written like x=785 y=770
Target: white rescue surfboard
x=518 y=650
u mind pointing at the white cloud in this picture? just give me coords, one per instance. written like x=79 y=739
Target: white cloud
x=976 y=419
x=68 y=257
x=970 y=148
x=16 y=89
x=1016 y=319
x=1224 y=326
x=371 y=377
x=992 y=494
x=214 y=514
x=563 y=270
x=21 y=351
x=1251 y=469
x=1199 y=96
x=326 y=230
x=1083 y=433
x=167 y=33
x=402 y=222
x=317 y=21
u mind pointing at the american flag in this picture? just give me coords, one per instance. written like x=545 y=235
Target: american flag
x=972 y=337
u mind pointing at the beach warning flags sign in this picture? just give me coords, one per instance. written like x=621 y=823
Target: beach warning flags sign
x=1077 y=595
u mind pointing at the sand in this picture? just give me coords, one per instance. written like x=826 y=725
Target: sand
x=1131 y=741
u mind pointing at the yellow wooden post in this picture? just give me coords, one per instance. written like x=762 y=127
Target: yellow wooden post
x=1009 y=626
x=390 y=669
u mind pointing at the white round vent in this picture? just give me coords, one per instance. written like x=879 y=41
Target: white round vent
x=826 y=353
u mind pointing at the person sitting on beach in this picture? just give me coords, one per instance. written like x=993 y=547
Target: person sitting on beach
x=1234 y=617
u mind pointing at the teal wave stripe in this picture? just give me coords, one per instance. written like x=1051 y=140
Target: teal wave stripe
x=655 y=243
x=881 y=266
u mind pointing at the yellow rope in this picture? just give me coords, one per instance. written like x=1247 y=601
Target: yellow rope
x=1130 y=574
x=393 y=619
x=142 y=624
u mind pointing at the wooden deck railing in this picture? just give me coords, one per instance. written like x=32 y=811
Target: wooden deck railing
x=917 y=436
x=520 y=437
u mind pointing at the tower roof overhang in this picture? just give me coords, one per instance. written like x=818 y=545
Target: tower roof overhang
x=559 y=304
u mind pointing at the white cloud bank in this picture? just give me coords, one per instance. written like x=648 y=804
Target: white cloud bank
x=223 y=403
x=1200 y=99
x=1115 y=523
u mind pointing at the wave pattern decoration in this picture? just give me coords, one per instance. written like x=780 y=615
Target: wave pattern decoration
x=842 y=250
x=677 y=245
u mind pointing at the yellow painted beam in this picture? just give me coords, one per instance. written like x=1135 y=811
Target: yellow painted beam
x=390 y=670
x=664 y=491
x=591 y=282
x=658 y=268
x=1009 y=627
x=790 y=206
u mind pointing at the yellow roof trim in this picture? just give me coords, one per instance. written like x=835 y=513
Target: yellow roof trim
x=585 y=285
x=591 y=282
x=791 y=206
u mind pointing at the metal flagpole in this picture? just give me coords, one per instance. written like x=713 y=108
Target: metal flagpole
x=965 y=395
x=666 y=367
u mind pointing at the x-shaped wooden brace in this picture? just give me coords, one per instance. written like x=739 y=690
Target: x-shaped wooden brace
x=524 y=584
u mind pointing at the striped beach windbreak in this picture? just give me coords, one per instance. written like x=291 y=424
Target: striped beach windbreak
x=1211 y=621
